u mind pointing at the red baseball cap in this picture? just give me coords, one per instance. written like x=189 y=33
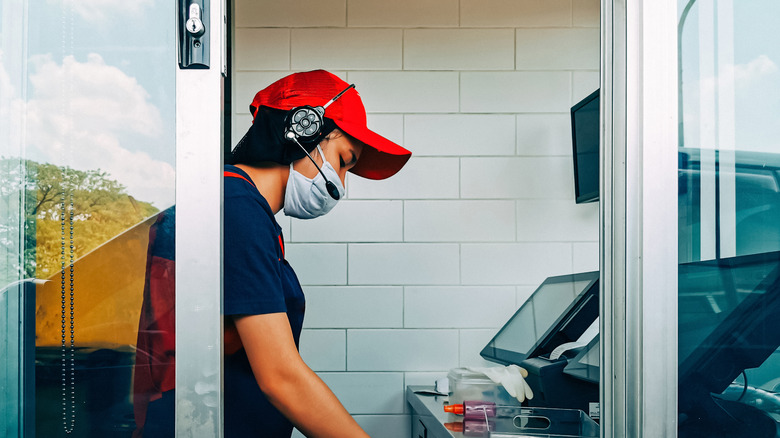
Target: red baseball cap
x=379 y=160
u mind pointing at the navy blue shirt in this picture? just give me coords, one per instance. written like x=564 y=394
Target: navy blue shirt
x=256 y=280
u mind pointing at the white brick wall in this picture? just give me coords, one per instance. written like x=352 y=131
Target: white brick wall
x=411 y=276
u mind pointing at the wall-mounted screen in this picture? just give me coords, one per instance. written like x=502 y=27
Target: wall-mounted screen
x=585 y=148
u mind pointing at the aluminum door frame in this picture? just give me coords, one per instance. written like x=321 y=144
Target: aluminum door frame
x=199 y=161
x=638 y=216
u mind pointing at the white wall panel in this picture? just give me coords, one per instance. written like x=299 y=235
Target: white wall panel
x=557 y=221
x=460 y=134
x=586 y=13
x=263 y=49
x=585 y=256
x=407 y=92
x=354 y=307
x=515 y=13
x=320 y=264
x=402 y=13
x=324 y=350
x=367 y=393
x=407 y=263
x=583 y=84
x=345 y=49
x=472 y=342
x=520 y=263
x=544 y=134
x=459 y=221
x=520 y=91
x=517 y=178
x=457 y=306
x=459 y=49
x=353 y=221
x=404 y=350
x=576 y=49
x=274 y=13
x=421 y=178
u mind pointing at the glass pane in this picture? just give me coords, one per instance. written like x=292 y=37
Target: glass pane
x=88 y=183
x=729 y=218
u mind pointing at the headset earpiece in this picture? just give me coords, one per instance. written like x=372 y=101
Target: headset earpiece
x=304 y=123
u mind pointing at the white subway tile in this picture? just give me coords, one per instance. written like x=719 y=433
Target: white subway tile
x=558 y=49
x=307 y=13
x=544 y=134
x=517 y=178
x=402 y=13
x=586 y=256
x=402 y=350
x=514 y=263
x=459 y=49
x=353 y=221
x=385 y=426
x=354 y=307
x=509 y=92
x=420 y=178
x=586 y=13
x=247 y=84
x=402 y=92
x=458 y=306
x=390 y=126
x=557 y=221
x=320 y=264
x=324 y=350
x=472 y=342
x=346 y=49
x=459 y=221
x=584 y=83
x=262 y=49
x=403 y=263
x=524 y=292
x=460 y=134
x=515 y=13
x=368 y=393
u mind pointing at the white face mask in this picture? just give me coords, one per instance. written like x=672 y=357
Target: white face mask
x=307 y=198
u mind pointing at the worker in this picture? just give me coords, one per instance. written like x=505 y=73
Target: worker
x=309 y=129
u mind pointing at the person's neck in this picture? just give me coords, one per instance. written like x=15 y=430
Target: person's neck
x=271 y=182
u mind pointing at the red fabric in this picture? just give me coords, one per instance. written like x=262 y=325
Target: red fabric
x=381 y=159
x=155 y=367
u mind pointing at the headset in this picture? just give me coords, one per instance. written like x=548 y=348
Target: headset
x=304 y=123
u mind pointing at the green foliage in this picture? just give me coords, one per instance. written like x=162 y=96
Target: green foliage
x=101 y=210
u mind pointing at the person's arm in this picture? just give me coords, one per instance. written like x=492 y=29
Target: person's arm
x=290 y=385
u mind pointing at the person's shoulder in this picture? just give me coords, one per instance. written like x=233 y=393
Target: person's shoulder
x=242 y=198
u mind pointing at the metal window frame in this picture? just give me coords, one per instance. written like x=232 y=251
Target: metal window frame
x=199 y=158
x=638 y=216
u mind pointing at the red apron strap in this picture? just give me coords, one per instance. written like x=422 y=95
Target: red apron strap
x=236 y=175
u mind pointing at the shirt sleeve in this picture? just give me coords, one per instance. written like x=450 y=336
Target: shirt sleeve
x=251 y=259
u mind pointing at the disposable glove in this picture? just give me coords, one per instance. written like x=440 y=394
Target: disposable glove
x=511 y=377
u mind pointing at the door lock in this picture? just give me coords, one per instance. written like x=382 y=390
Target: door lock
x=194 y=33
x=194 y=24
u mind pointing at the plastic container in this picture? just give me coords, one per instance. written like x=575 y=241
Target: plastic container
x=468 y=385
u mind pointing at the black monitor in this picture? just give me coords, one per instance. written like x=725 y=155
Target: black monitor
x=585 y=148
x=560 y=310
x=585 y=366
x=728 y=312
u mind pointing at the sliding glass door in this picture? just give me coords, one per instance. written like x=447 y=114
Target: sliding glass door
x=89 y=112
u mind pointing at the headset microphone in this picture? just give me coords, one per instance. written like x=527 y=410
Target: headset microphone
x=305 y=122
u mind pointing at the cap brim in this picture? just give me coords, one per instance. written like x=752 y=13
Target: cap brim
x=381 y=159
